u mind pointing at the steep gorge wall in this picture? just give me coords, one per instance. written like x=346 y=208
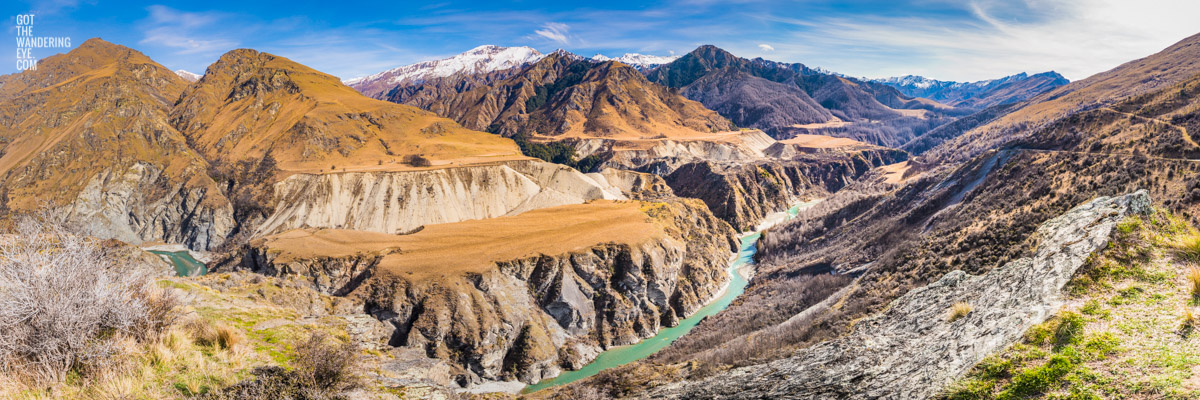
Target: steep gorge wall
x=912 y=350
x=531 y=317
x=398 y=202
x=742 y=194
x=143 y=204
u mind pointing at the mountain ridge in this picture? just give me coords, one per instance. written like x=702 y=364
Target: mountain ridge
x=978 y=94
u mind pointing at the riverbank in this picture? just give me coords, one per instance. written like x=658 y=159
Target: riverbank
x=740 y=270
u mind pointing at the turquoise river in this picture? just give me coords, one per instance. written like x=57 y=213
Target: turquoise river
x=621 y=355
x=185 y=264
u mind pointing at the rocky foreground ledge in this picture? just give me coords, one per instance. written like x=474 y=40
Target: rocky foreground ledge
x=913 y=350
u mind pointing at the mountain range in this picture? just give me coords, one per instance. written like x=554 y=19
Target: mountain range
x=780 y=98
x=500 y=217
x=980 y=94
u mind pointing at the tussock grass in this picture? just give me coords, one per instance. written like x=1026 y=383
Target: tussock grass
x=1193 y=281
x=1111 y=341
x=959 y=310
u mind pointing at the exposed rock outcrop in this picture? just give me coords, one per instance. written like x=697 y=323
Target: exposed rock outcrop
x=913 y=350
x=122 y=205
x=742 y=193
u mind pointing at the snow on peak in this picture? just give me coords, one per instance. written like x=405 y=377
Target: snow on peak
x=911 y=81
x=482 y=59
x=638 y=60
x=187 y=75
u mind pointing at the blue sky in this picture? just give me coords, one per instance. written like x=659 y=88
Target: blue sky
x=944 y=39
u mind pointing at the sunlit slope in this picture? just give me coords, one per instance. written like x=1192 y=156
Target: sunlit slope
x=99 y=109
x=250 y=104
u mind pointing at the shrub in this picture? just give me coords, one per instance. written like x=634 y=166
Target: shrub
x=416 y=160
x=959 y=310
x=67 y=307
x=320 y=371
x=205 y=334
x=325 y=366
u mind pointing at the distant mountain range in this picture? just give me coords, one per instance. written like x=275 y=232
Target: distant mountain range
x=188 y=75
x=562 y=95
x=479 y=60
x=641 y=62
x=980 y=94
x=781 y=98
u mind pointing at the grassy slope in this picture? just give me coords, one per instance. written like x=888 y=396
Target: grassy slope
x=250 y=104
x=263 y=319
x=1127 y=332
x=100 y=107
x=476 y=245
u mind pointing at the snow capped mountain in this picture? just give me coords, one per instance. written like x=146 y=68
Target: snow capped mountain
x=919 y=82
x=978 y=94
x=481 y=59
x=187 y=75
x=639 y=61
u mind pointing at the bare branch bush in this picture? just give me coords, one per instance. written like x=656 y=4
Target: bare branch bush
x=66 y=305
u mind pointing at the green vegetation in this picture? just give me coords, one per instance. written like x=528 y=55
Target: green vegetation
x=558 y=153
x=1122 y=333
x=570 y=77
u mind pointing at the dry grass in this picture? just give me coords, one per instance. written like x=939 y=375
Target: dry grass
x=822 y=141
x=477 y=244
x=1189 y=246
x=356 y=133
x=1193 y=281
x=958 y=310
x=1189 y=320
x=207 y=333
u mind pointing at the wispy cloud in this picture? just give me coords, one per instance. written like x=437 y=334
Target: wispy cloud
x=944 y=39
x=185 y=32
x=1077 y=38
x=554 y=31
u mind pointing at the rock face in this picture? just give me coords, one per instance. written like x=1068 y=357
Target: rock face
x=913 y=350
x=743 y=193
x=118 y=205
x=398 y=202
x=530 y=317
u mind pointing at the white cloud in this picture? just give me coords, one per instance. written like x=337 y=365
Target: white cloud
x=765 y=47
x=185 y=32
x=554 y=31
x=1077 y=38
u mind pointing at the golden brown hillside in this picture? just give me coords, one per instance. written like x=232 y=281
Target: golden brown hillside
x=563 y=96
x=477 y=245
x=88 y=132
x=250 y=104
x=1153 y=73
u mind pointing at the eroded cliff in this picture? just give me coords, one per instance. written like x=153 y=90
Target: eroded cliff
x=564 y=283
x=398 y=202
